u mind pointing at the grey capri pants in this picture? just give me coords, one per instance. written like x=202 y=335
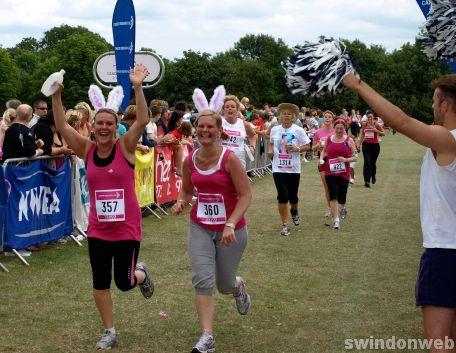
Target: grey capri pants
x=213 y=262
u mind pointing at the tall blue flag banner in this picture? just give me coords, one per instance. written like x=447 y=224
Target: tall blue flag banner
x=39 y=204
x=425 y=6
x=124 y=31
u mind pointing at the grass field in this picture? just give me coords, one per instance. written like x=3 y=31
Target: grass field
x=310 y=291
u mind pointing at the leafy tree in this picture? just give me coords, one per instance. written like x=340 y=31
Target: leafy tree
x=8 y=77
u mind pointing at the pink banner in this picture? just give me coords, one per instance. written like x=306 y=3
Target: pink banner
x=167 y=183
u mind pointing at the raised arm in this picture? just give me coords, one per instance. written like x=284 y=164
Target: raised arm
x=134 y=133
x=79 y=144
x=436 y=137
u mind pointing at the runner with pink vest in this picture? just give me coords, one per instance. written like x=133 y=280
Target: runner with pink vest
x=339 y=151
x=371 y=148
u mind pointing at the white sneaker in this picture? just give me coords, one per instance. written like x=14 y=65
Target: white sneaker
x=107 y=341
x=328 y=213
x=352 y=181
x=80 y=237
x=336 y=225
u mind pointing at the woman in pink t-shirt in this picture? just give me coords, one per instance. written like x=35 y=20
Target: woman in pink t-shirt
x=114 y=231
x=318 y=144
x=217 y=231
x=368 y=139
x=340 y=151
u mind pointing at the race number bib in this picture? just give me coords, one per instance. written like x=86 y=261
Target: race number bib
x=211 y=209
x=234 y=138
x=110 y=205
x=369 y=133
x=284 y=161
x=336 y=167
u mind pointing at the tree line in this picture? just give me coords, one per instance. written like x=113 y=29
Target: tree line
x=252 y=68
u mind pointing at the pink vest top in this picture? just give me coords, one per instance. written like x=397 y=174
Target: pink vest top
x=217 y=196
x=334 y=150
x=370 y=136
x=114 y=210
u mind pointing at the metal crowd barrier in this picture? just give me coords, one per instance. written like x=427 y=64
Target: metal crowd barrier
x=261 y=165
x=258 y=167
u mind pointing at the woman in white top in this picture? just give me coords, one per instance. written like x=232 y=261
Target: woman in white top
x=287 y=142
x=237 y=129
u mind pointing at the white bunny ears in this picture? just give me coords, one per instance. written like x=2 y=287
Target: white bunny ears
x=97 y=98
x=216 y=102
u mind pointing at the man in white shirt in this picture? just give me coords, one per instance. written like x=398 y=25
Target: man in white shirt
x=436 y=283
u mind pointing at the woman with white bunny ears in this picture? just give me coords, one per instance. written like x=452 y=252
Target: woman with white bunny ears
x=217 y=232
x=237 y=129
x=114 y=231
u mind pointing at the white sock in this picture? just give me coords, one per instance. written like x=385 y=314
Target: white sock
x=111 y=330
x=336 y=219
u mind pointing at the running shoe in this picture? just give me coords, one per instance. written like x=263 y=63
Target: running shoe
x=352 y=181
x=147 y=287
x=374 y=180
x=343 y=212
x=107 y=341
x=328 y=213
x=242 y=300
x=205 y=344
x=285 y=230
x=296 y=219
x=367 y=185
x=336 y=224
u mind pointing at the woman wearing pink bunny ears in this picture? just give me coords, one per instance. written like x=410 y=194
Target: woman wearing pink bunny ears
x=217 y=232
x=114 y=231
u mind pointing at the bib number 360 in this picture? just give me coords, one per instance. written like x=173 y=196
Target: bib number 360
x=211 y=209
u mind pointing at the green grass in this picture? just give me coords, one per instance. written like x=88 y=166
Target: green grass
x=310 y=291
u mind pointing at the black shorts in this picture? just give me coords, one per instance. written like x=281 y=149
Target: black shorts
x=125 y=255
x=436 y=282
x=287 y=185
x=337 y=187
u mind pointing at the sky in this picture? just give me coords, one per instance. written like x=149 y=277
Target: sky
x=212 y=26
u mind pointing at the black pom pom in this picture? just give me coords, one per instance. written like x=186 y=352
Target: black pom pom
x=318 y=68
x=439 y=39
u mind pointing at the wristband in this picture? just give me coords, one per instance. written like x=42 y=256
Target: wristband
x=230 y=225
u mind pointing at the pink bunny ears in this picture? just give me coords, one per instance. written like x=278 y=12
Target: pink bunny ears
x=97 y=98
x=216 y=102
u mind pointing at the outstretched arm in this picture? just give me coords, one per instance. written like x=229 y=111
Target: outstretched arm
x=438 y=138
x=78 y=143
x=131 y=138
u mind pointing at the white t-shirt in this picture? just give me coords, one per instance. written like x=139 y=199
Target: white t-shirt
x=438 y=202
x=284 y=161
x=151 y=128
x=237 y=135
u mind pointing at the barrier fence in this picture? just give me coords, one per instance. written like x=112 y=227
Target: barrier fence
x=45 y=198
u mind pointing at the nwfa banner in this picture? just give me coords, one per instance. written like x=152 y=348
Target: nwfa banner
x=167 y=183
x=144 y=178
x=39 y=204
x=124 y=30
